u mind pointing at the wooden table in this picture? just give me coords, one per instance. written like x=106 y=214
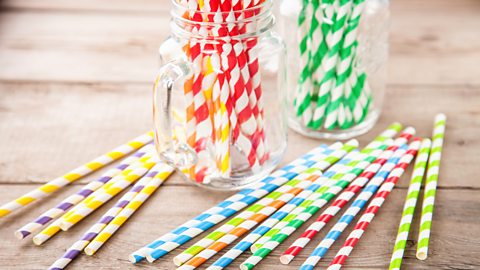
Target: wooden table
x=75 y=81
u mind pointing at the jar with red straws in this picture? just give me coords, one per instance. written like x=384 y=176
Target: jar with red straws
x=219 y=94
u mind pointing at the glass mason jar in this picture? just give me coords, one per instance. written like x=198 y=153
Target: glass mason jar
x=219 y=94
x=336 y=60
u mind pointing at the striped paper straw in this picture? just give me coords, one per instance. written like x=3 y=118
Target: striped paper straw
x=431 y=186
x=378 y=143
x=93 y=231
x=410 y=204
x=373 y=207
x=103 y=195
x=317 y=201
x=130 y=172
x=246 y=196
x=74 y=199
x=236 y=227
x=75 y=174
x=379 y=168
x=247 y=241
x=52 y=229
x=163 y=173
x=218 y=240
x=353 y=210
x=212 y=220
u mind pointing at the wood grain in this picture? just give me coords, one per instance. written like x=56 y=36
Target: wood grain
x=75 y=81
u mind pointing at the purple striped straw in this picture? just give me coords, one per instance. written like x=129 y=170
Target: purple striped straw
x=91 y=233
x=74 y=199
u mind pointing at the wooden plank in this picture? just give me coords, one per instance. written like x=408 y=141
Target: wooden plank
x=45 y=129
x=65 y=45
x=453 y=246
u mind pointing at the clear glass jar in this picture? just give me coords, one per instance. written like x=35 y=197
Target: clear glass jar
x=336 y=60
x=220 y=93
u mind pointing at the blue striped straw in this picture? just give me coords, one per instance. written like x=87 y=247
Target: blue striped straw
x=353 y=210
x=247 y=241
x=278 y=181
x=245 y=196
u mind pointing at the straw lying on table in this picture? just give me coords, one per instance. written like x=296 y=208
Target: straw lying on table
x=352 y=211
x=379 y=168
x=151 y=181
x=185 y=236
x=410 y=203
x=217 y=240
x=76 y=174
x=431 y=186
x=241 y=199
x=74 y=199
x=375 y=204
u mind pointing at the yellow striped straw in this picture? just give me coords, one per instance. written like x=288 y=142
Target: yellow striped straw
x=108 y=191
x=132 y=173
x=57 y=183
x=163 y=173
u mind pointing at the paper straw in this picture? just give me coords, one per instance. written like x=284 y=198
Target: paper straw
x=379 y=170
x=209 y=222
x=431 y=186
x=318 y=201
x=75 y=174
x=410 y=204
x=225 y=235
x=131 y=172
x=353 y=210
x=373 y=207
x=103 y=195
x=377 y=143
x=163 y=173
x=246 y=196
x=93 y=231
x=74 y=199
x=247 y=241
x=204 y=249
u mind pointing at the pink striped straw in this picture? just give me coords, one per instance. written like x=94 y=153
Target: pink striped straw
x=291 y=252
x=373 y=207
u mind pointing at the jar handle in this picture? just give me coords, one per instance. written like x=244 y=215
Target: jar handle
x=174 y=152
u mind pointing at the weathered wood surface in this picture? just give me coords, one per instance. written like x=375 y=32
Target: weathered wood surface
x=75 y=82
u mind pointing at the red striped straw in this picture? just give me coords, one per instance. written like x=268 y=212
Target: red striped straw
x=374 y=206
x=345 y=197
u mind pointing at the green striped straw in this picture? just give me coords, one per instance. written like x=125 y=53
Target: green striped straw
x=410 y=204
x=305 y=84
x=309 y=211
x=378 y=142
x=431 y=186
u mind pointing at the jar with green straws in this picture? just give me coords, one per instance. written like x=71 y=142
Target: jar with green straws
x=336 y=57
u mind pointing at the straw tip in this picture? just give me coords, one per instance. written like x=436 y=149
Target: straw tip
x=410 y=130
x=440 y=117
x=150 y=259
x=177 y=261
x=89 y=251
x=286 y=259
x=37 y=241
x=21 y=234
x=135 y=258
x=421 y=255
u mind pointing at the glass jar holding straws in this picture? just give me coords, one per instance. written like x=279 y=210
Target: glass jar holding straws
x=219 y=94
x=336 y=64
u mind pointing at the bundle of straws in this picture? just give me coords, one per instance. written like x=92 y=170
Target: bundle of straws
x=282 y=202
x=142 y=169
x=332 y=89
x=224 y=93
